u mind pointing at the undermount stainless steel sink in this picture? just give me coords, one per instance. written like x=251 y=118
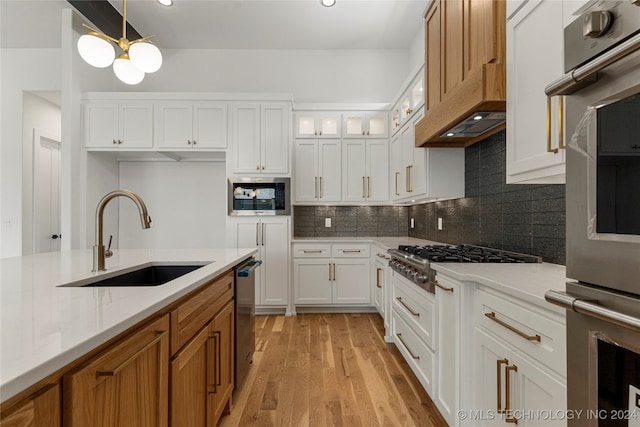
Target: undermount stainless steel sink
x=146 y=275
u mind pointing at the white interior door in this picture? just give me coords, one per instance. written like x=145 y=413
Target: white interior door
x=46 y=193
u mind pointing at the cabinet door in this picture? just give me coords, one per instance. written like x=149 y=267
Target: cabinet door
x=210 y=125
x=448 y=335
x=419 y=174
x=537 y=390
x=221 y=373
x=353 y=125
x=136 y=125
x=484 y=20
x=351 y=283
x=247 y=235
x=312 y=281
x=491 y=359
x=246 y=138
x=532 y=63
x=192 y=381
x=432 y=69
x=305 y=123
x=174 y=125
x=328 y=125
x=329 y=171
x=377 y=163
x=376 y=125
x=101 y=125
x=275 y=138
x=275 y=258
x=408 y=183
x=106 y=392
x=354 y=171
x=397 y=172
x=379 y=284
x=306 y=171
x=41 y=410
x=417 y=93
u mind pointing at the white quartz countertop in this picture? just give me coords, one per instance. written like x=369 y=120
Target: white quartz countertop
x=524 y=281
x=44 y=327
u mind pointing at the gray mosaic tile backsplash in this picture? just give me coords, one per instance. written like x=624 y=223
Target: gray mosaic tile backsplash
x=350 y=221
x=521 y=218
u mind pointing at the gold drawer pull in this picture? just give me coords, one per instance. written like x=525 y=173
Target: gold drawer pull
x=407 y=307
x=444 y=288
x=351 y=251
x=314 y=251
x=120 y=367
x=407 y=347
x=492 y=316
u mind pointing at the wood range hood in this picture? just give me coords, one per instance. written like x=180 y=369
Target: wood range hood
x=465 y=73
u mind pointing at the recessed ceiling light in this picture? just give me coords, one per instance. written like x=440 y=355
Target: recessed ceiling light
x=328 y=3
x=477 y=118
x=450 y=134
x=165 y=2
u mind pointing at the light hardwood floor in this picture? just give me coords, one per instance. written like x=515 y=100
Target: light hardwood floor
x=328 y=370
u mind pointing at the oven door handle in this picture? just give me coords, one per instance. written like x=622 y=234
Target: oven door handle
x=587 y=74
x=593 y=309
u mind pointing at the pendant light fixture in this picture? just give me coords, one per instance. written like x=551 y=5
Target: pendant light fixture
x=137 y=58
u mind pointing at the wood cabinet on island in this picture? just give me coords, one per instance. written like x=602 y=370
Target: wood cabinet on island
x=78 y=355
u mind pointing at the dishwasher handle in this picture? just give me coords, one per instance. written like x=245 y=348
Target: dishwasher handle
x=248 y=268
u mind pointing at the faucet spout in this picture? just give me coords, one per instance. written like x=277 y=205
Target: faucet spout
x=99 y=254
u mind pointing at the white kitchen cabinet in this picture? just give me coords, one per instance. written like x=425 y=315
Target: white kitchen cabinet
x=535 y=134
x=191 y=125
x=118 y=125
x=261 y=138
x=422 y=173
x=272 y=237
x=331 y=274
x=318 y=124
x=382 y=287
x=317 y=171
x=365 y=171
x=365 y=125
x=520 y=362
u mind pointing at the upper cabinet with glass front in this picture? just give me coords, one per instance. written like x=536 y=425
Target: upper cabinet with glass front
x=411 y=100
x=365 y=125
x=314 y=124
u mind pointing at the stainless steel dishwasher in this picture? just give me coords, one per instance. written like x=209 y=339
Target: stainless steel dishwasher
x=245 y=305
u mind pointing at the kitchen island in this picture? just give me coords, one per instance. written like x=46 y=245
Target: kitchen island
x=45 y=327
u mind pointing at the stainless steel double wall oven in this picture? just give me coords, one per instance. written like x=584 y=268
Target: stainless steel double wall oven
x=602 y=89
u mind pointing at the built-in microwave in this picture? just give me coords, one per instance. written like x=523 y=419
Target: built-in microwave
x=259 y=196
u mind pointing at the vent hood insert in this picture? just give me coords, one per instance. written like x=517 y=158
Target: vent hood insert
x=476 y=124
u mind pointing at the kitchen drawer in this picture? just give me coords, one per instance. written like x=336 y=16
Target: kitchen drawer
x=194 y=313
x=416 y=306
x=312 y=250
x=420 y=357
x=515 y=320
x=346 y=250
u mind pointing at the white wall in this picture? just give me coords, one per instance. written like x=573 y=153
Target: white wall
x=334 y=76
x=103 y=176
x=187 y=203
x=416 y=51
x=20 y=70
x=45 y=117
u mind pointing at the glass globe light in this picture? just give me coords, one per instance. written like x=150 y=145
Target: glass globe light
x=145 y=56
x=95 y=50
x=328 y=3
x=126 y=71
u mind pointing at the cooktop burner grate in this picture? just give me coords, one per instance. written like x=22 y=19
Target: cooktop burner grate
x=466 y=253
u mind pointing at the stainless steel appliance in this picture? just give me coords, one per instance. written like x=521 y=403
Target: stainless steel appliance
x=603 y=213
x=259 y=196
x=414 y=262
x=245 y=306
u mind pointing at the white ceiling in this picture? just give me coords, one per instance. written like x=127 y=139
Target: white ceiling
x=237 y=24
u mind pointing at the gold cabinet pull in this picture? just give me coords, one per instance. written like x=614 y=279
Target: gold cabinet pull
x=396 y=188
x=314 y=251
x=315 y=187
x=378 y=270
x=407 y=347
x=444 y=288
x=493 y=317
x=406 y=179
x=499 y=364
x=409 y=176
x=507 y=392
x=351 y=251
x=212 y=351
x=263 y=227
x=257 y=233
x=257 y=167
x=415 y=313
x=364 y=188
x=334 y=271
x=368 y=187
x=549 y=149
x=321 y=187
x=561 y=122
x=330 y=279
x=158 y=336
